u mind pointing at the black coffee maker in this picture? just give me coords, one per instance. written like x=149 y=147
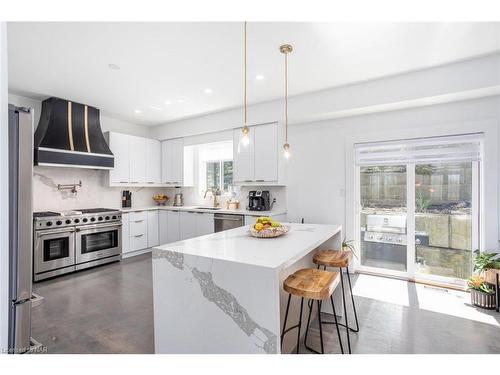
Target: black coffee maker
x=259 y=200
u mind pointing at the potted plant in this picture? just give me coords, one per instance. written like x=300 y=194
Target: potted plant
x=482 y=293
x=484 y=261
x=348 y=245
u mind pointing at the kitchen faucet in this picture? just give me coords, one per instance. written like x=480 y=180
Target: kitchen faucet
x=215 y=192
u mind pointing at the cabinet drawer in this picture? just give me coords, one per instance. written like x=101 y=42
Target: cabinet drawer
x=138 y=242
x=138 y=216
x=138 y=227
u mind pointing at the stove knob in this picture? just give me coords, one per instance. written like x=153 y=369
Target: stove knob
x=92 y=219
x=77 y=221
x=100 y=218
x=114 y=217
x=58 y=222
x=68 y=221
x=48 y=223
x=107 y=217
x=85 y=220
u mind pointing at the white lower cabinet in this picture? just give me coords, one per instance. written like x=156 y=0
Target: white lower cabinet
x=187 y=222
x=125 y=234
x=153 y=227
x=204 y=223
x=173 y=233
x=163 y=226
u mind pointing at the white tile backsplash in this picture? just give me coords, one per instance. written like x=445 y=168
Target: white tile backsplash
x=193 y=198
x=93 y=193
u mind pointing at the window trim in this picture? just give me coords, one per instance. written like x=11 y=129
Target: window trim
x=221 y=177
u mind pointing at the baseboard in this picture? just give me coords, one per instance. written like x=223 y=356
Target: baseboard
x=137 y=252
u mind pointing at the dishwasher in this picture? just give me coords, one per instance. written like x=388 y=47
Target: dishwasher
x=228 y=221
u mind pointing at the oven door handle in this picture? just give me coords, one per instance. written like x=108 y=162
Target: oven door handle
x=48 y=233
x=82 y=229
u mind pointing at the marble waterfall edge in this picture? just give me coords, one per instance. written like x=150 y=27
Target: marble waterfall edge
x=225 y=312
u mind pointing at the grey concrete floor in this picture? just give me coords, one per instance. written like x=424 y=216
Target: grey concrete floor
x=109 y=309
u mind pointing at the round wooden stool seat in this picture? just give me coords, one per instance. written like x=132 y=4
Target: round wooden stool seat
x=332 y=258
x=312 y=283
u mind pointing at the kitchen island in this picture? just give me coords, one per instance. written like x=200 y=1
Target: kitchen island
x=222 y=293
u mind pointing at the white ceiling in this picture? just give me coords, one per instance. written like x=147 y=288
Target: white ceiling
x=174 y=63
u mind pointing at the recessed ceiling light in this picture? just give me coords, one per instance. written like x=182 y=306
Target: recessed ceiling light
x=113 y=67
x=208 y=91
x=259 y=77
x=156 y=108
x=168 y=102
x=137 y=111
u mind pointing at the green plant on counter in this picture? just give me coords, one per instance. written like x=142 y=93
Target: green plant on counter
x=484 y=261
x=479 y=284
x=349 y=245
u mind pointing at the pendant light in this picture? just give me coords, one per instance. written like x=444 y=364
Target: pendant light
x=245 y=139
x=286 y=49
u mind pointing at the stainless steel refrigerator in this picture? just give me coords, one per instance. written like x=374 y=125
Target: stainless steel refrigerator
x=20 y=227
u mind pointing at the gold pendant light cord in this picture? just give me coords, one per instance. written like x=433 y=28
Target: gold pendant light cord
x=286 y=97
x=245 y=84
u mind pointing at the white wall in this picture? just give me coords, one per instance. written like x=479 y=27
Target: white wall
x=107 y=123
x=426 y=100
x=4 y=192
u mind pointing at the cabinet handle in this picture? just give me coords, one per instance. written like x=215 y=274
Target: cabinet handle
x=138 y=221
x=259 y=180
x=150 y=182
x=247 y=180
x=139 y=235
x=123 y=182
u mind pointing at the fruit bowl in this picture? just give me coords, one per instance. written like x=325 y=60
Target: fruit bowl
x=266 y=227
x=269 y=232
x=160 y=199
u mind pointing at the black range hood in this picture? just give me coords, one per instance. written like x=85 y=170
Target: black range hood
x=69 y=135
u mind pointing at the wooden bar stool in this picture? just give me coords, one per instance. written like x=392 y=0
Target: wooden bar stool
x=315 y=285
x=339 y=259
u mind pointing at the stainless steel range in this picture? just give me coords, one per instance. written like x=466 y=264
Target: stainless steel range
x=73 y=240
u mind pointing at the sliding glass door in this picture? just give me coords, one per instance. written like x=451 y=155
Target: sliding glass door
x=418 y=208
x=445 y=219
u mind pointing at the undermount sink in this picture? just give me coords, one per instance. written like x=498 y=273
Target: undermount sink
x=207 y=208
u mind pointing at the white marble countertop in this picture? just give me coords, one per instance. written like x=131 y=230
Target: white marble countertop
x=197 y=209
x=236 y=245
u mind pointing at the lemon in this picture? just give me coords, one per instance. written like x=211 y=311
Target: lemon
x=258 y=227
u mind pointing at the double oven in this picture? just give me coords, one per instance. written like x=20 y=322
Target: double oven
x=70 y=241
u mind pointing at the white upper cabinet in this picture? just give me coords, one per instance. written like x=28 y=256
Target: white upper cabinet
x=266 y=152
x=153 y=161
x=137 y=159
x=143 y=161
x=259 y=161
x=172 y=161
x=243 y=157
x=119 y=146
